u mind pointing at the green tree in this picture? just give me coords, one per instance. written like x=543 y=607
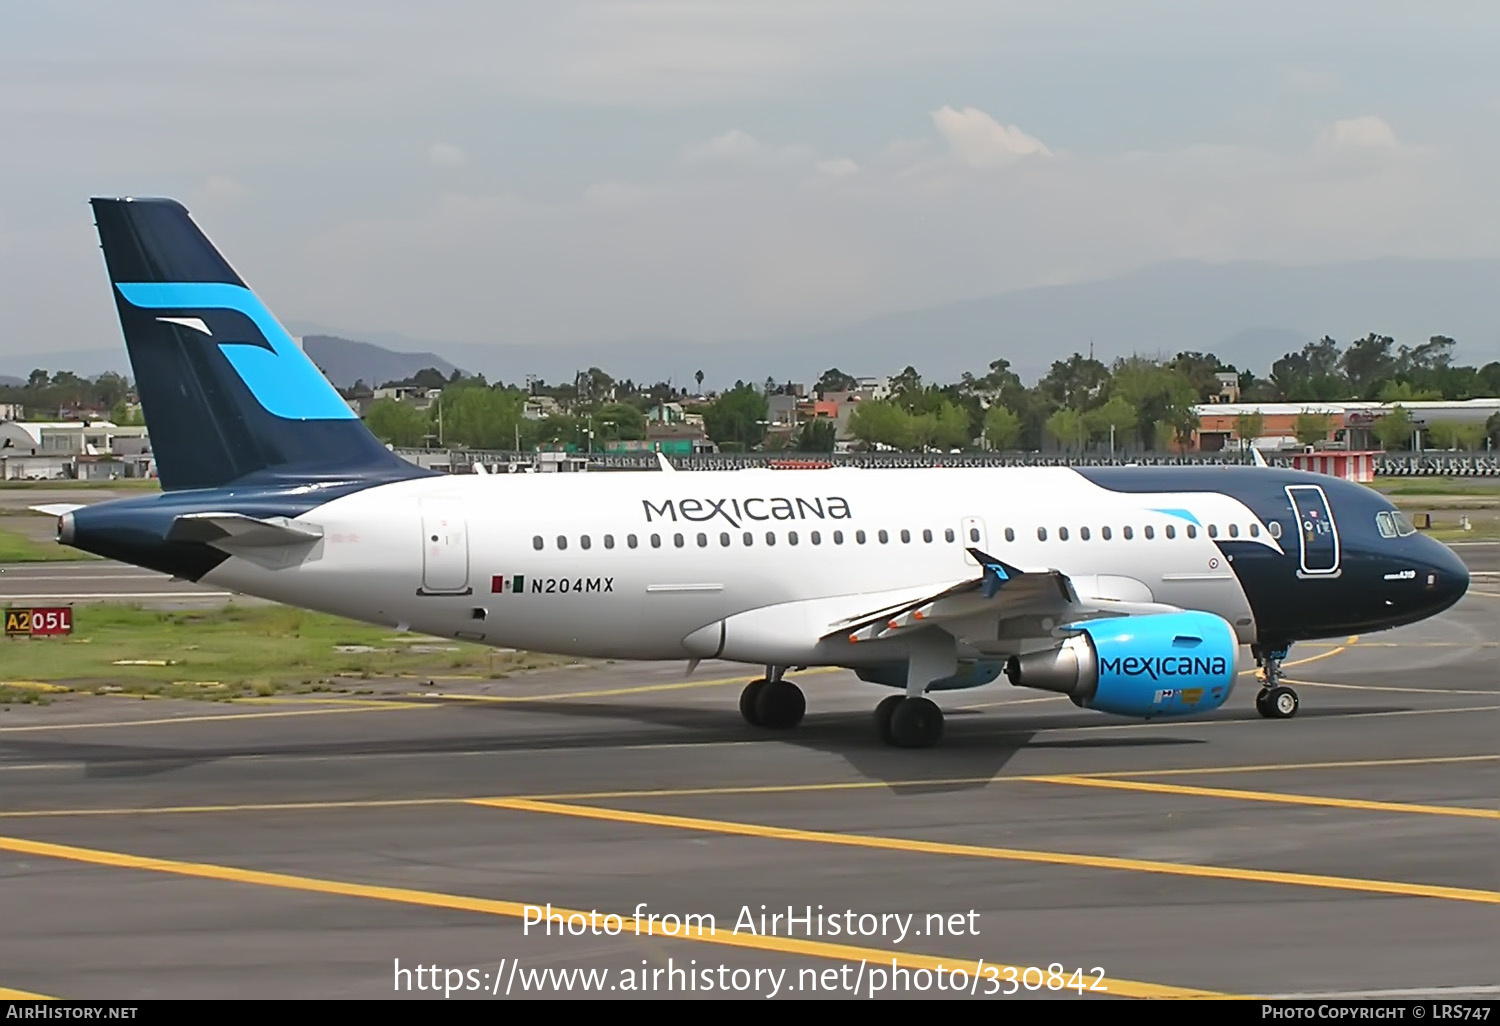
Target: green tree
x=835 y=380
x=397 y=423
x=1451 y=434
x=738 y=417
x=1067 y=427
x=1002 y=428
x=1159 y=395
x=879 y=422
x=818 y=434
x=620 y=421
x=1395 y=428
x=1077 y=382
x=1248 y=427
x=953 y=428
x=1114 y=420
x=1311 y=428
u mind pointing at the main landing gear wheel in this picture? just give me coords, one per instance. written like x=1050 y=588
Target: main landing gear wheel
x=776 y=704
x=883 y=713
x=1278 y=703
x=915 y=723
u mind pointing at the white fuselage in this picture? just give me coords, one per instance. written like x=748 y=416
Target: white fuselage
x=632 y=565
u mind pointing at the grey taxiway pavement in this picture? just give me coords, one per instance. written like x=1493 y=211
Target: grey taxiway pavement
x=321 y=846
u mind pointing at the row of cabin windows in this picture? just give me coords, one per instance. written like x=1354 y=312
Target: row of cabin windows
x=883 y=537
x=748 y=538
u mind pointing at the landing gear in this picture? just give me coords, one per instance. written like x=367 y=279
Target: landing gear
x=912 y=720
x=772 y=702
x=1276 y=701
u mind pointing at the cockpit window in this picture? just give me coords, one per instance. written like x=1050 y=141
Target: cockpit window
x=1394 y=524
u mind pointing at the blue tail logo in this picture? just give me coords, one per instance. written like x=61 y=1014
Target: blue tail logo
x=277 y=373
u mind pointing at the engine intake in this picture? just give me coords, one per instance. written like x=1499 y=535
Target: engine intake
x=1167 y=664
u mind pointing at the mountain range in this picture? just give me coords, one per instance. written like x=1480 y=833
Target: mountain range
x=1247 y=313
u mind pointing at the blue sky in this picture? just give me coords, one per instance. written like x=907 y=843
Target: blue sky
x=572 y=171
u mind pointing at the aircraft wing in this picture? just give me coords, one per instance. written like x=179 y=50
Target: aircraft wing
x=1002 y=601
x=57 y=509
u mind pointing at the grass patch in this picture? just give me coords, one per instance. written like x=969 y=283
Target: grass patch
x=1478 y=487
x=145 y=484
x=237 y=651
x=17 y=548
x=1483 y=530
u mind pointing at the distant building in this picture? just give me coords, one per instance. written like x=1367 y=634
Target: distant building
x=1349 y=423
x=49 y=450
x=416 y=395
x=1229 y=388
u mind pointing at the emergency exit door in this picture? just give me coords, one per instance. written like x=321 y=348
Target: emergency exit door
x=445 y=548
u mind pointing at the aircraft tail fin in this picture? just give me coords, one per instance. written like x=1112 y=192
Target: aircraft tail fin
x=226 y=392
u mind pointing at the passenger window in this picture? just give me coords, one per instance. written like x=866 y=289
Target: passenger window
x=749 y=539
x=724 y=539
x=927 y=536
x=1104 y=533
x=1274 y=528
x=859 y=536
x=973 y=534
x=1010 y=534
x=1151 y=532
x=1041 y=534
x=630 y=540
x=1062 y=534
x=677 y=540
x=1170 y=530
x=1129 y=532
x=1234 y=530
x=905 y=535
x=791 y=537
x=656 y=541
x=815 y=538
x=609 y=541
x=1255 y=530
x=1213 y=530
x=1192 y=531
x=583 y=542
x=703 y=541
x=562 y=541
x=838 y=537
x=770 y=537
x=536 y=543
x=883 y=536
x=949 y=535
x=1083 y=534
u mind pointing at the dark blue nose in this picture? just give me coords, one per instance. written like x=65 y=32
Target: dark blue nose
x=1445 y=578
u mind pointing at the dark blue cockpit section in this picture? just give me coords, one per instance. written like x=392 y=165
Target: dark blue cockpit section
x=1342 y=570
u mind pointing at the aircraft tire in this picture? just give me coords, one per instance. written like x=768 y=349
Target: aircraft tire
x=748 y=701
x=1278 y=703
x=916 y=723
x=883 y=713
x=779 y=705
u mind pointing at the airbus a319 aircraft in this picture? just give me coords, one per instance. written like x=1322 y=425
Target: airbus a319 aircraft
x=1131 y=590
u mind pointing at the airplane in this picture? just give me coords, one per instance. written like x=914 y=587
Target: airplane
x=1133 y=591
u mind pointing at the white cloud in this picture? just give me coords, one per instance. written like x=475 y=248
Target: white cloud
x=841 y=168
x=1367 y=132
x=446 y=155
x=737 y=147
x=981 y=141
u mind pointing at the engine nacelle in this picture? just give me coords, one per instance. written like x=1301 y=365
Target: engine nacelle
x=971 y=674
x=1166 y=664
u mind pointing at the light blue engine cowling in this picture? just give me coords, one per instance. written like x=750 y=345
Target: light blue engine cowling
x=1166 y=664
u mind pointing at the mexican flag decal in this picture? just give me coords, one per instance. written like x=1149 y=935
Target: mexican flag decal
x=499 y=585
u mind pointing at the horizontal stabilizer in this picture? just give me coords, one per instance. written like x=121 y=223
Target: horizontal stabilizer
x=235 y=530
x=59 y=509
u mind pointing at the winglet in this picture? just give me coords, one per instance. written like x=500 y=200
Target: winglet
x=665 y=463
x=1260 y=461
x=996 y=572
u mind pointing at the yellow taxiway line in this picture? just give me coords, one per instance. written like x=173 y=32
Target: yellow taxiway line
x=901 y=844
x=517 y=910
x=7 y=994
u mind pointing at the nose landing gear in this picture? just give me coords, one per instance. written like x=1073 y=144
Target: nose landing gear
x=1275 y=701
